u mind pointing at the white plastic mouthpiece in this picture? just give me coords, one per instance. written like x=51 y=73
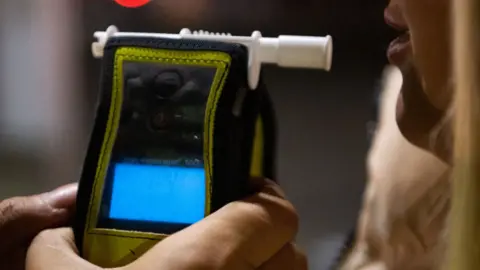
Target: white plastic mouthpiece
x=284 y=51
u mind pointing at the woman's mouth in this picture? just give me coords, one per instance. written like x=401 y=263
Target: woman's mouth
x=399 y=49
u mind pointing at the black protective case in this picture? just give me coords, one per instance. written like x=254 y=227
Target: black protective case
x=233 y=137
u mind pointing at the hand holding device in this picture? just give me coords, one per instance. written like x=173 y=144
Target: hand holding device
x=254 y=233
x=21 y=218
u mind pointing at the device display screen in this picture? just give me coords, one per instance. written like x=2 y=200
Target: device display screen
x=156 y=177
x=160 y=193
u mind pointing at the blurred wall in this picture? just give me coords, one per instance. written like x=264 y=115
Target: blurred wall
x=40 y=90
x=322 y=116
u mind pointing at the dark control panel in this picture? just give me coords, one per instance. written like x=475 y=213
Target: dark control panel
x=163 y=112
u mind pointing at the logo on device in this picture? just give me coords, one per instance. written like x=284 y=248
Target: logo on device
x=132 y=3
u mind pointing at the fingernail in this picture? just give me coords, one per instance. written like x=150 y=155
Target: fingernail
x=276 y=188
x=62 y=197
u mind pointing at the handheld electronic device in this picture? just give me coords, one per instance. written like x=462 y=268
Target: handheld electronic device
x=182 y=122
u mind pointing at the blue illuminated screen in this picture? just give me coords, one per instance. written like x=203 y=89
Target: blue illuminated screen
x=158 y=193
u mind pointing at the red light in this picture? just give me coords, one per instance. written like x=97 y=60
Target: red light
x=132 y=3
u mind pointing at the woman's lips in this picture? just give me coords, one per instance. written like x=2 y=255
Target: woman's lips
x=394 y=18
x=399 y=49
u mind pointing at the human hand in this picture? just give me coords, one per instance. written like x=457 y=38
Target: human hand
x=22 y=218
x=255 y=233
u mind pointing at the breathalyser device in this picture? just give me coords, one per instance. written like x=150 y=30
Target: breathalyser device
x=183 y=121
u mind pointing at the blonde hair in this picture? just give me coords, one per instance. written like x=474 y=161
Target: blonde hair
x=464 y=225
x=406 y=200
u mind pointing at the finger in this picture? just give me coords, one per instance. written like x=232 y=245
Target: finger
x=21 y=218
x=259 y=184
x=290 y=257
x=55 y=249
x=242 y=235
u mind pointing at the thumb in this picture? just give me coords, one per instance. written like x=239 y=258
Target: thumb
x=242 y=235
x=21 y=218
x=55 y=249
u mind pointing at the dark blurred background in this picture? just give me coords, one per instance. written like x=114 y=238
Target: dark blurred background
x=48 y=89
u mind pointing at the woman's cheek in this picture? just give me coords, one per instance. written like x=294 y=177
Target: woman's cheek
x=429 y=23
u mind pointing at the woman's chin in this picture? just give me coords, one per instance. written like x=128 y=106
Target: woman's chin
x=417 y=119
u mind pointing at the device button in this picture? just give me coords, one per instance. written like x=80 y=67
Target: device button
x=160 y=119
x=166 y=84
x=192 y=138
x=190 y=94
